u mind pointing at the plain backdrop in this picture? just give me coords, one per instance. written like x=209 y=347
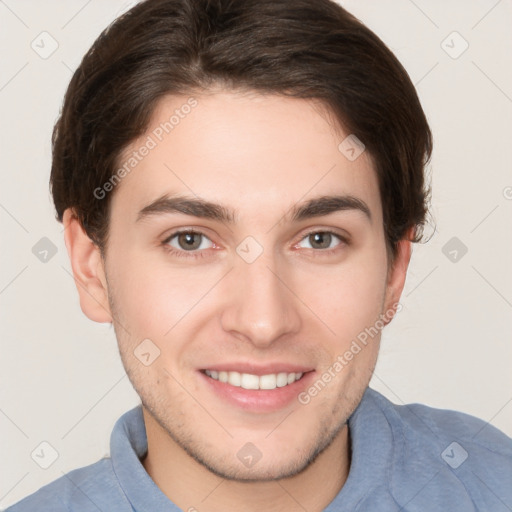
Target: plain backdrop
x=62 y=382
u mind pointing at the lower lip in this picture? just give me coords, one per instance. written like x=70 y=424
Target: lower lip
x=259 y=400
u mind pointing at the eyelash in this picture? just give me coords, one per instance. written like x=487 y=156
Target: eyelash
x=201 y=253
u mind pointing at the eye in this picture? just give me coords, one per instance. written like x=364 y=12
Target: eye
x=321 y=240
x=189 y=241
x=182 y=242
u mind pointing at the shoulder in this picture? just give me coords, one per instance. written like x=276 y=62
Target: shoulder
x=90 y=488
x=447 y=456
x=432 y=427
x=443 y=424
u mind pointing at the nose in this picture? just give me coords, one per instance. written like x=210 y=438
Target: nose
x=261 y=307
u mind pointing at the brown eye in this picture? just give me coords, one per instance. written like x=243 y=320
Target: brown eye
x=320 y=240
x=189 y=241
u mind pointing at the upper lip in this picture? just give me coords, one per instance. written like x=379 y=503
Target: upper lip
x=259 y=369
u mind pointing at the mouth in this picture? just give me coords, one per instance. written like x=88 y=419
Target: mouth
x=251 y=381
x=255 y=389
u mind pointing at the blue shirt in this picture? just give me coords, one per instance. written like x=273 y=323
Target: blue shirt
x=408 y=458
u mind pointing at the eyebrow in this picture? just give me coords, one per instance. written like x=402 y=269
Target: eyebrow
x=196 y=207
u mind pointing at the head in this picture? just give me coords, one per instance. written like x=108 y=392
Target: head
x=241 y=182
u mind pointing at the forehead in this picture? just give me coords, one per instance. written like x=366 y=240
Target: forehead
x=257 y=153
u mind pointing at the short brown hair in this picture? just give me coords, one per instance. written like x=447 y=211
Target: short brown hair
x=300 y=48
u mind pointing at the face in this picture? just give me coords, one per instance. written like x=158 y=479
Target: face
x=246 y=253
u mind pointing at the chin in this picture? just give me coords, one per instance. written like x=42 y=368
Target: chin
x=260 y=472
x=282 y=465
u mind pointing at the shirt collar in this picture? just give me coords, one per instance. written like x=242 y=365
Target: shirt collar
x=372 y=444
x=128 y=445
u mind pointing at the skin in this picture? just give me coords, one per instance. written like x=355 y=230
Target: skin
x=298 y=303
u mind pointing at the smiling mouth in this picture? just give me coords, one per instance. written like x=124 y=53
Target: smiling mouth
x=250 y=381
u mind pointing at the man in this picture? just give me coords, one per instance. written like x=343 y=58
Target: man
x=240 y=184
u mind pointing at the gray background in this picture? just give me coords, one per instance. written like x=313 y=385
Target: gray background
x=62 y=381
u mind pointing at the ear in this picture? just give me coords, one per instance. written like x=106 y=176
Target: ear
x=88 y=270
x=397 y=273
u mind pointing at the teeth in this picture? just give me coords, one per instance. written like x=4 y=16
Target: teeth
x=234 y=378
x=282 y=379
x=268 y=381
x=249 y=381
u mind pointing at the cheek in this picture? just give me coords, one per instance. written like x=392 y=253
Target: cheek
x=152 y=296
x=349 y=297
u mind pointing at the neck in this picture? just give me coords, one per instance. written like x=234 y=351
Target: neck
x=193 y=488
